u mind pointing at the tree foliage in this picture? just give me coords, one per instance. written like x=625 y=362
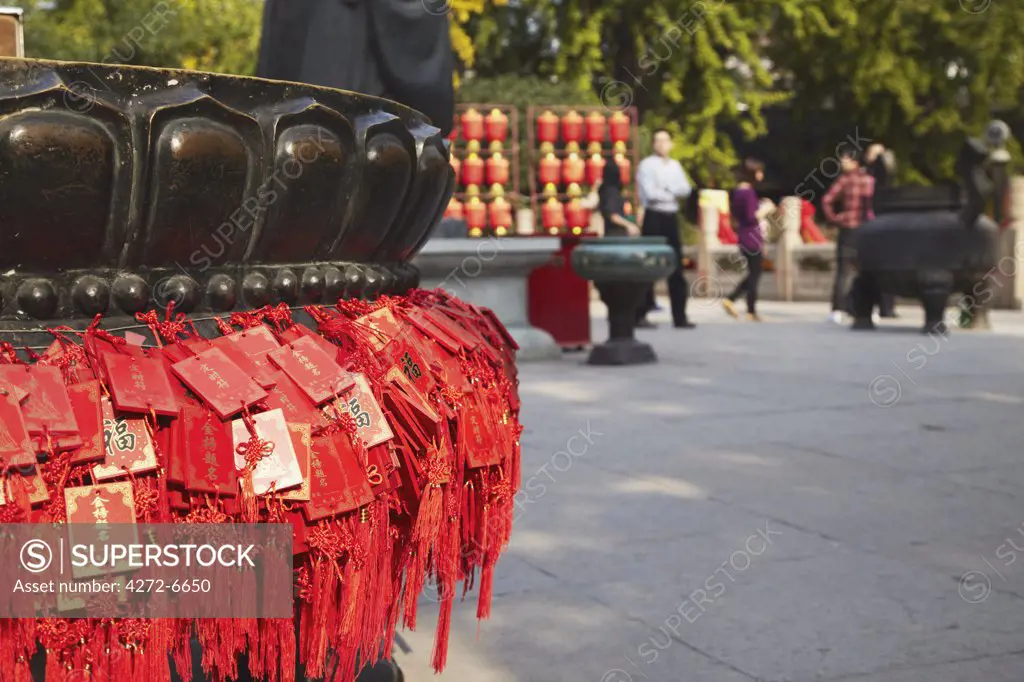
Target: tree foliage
x=916 y=75
x=208 y=35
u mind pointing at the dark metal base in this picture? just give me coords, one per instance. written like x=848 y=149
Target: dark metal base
x=622 y=352
x=863 y=324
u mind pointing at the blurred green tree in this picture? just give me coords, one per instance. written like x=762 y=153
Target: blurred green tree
x=208 y=35
x=916 y=76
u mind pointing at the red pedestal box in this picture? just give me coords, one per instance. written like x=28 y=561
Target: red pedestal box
x=559 y=299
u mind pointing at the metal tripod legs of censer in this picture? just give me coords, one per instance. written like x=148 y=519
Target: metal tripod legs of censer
x=622 y=270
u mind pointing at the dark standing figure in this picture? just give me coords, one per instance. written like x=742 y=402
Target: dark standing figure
x=880 y=164
x=661 y=183
x=854 y=191
x=612 y=205
x=398 y=49
x=744 y=207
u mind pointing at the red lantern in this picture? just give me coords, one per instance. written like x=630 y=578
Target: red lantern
x=576 y=217
x=454 y=134
x=500 y=212
x=573 y=169
x=472 y=125
x=619 y=127
x=547 y=127
x=497 y=169
x=473 y=170
x=550 y=170
x=595 y=167
x=457 y=167
x=625 y=168
x=476 y=216
x=572 y=127
x=595 y=125
x=497 y=125
x=454 y=209
x=552 y=216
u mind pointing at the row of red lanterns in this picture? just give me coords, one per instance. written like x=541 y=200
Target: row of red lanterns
x=556 y=217
x=475 y=171
x=574 y=127
x=574 y=170
x=476 y=126
x=478 y=215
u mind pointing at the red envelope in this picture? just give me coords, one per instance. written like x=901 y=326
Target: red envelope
x=498 y=327
x=33 y=485
x=140 y=384
x=302 y=441
x=220 y=383
x=452 y=374
x=409 y=361
x=380 y=327
x=412 y=395
x=338 y=483
x=210 y=456
x=105 y=503
x=15 y=447
x=248 y=349
x=475 y=429
x=299 y=532
x=299 y=331
x=85 y=401
x=360 y=402
x=128 y=446
x=381 y=466
x=178 y=500
x=289 y=398
x=14 y=391
x=279 y=470
x=47 y=408
x=419 y=318
x=464 y=336
x=316 y=372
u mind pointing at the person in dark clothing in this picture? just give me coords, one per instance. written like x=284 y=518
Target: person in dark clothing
x=880 y=164
x=612 y=204
x=661 y=183
x=744 y=206
x=396 y=49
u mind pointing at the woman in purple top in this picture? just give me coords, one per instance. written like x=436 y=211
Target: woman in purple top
x=744 y=207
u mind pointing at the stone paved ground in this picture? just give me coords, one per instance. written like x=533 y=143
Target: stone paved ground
x=745 y=511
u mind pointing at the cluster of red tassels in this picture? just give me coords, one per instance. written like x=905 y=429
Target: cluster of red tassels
x=431 y=499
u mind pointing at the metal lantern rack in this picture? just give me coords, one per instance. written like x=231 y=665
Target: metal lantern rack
x=462 y=148
x=535 y=154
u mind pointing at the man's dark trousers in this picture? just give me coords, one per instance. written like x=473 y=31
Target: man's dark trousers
x=662 y=224
x=845 y=257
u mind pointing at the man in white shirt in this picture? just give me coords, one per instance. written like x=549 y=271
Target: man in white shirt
x=661 y=183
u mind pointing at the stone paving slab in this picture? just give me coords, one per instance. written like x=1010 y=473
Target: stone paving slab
x=899 y=502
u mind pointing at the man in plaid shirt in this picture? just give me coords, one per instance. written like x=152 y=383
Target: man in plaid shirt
x=854 y=191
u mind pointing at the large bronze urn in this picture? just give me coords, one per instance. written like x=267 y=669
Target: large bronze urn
x=125 y=189
x=122 y=189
